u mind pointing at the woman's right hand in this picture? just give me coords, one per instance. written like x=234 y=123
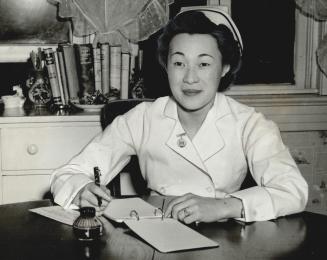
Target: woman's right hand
x=88 y=197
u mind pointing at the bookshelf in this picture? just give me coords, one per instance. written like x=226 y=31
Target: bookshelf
x=95 y=75
x=134 y=73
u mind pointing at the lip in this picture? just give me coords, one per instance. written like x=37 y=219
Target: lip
x=191 y=92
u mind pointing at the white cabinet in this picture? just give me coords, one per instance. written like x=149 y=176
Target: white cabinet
x=42 y=147
x=32 y=146
x=23 y=187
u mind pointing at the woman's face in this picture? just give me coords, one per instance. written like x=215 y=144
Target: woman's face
x=194 y=68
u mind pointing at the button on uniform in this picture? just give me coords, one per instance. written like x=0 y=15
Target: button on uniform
x=162 y=190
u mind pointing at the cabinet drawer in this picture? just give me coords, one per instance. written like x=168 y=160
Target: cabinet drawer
x=24 y=188
x=43 y=147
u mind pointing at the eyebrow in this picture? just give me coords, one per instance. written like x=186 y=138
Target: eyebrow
x=200 y=55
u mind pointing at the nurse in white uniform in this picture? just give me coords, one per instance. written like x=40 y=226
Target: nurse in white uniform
x=197 y=144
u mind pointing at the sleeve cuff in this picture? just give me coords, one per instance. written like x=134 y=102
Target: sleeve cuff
x=257 y=204
x=70 y=189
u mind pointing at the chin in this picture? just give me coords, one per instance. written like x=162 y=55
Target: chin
x=191 y=107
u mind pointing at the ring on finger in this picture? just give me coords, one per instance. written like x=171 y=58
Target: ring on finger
x=187 y=212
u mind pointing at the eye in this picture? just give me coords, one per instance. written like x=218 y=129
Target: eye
x=178 y=64
x=204 y=64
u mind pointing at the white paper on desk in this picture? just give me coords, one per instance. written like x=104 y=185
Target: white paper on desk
x=120 y=209
x=66 y=216
x=169 y=235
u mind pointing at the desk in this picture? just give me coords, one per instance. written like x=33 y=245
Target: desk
x=25 y=235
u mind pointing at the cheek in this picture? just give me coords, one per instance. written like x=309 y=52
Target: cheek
x=174 y=76
x=211 y=77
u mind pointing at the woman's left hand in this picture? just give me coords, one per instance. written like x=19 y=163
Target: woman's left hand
x=191 y=208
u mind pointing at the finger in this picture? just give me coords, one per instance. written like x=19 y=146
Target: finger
x=193 y=217
x=87 y=203
x=101 y=192
x=176 y=201
x=99 y=212
x=185 y=212
x=179 y=208
x=171 y=204
x=106 y=190
x=104 y=205
x=87 y=198
x=102 y=208
x=90 y=198
x=190 y=215
x=182 y=214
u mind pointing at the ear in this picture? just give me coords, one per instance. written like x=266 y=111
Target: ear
x=225 y=69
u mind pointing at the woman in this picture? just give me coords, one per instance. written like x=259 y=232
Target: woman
x=198 y=143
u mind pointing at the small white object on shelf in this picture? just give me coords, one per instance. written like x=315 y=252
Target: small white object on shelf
x=15 y=101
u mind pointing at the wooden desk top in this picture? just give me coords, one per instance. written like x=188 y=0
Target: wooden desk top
x=25 y=235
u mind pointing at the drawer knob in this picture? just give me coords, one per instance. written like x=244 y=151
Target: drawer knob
x=32 y=149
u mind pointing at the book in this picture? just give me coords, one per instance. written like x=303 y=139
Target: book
x=97 y=69
x=105 y=65
x=71 y=72
x=125 y=60
x=148 y=222
x=115 y=68
x=63 y=75
x=50 y=63
x=61 y=88
x=84 y=53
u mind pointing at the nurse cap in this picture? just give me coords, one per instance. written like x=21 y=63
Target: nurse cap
x=217 y=16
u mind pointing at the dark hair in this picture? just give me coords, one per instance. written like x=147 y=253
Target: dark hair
x=193 y=22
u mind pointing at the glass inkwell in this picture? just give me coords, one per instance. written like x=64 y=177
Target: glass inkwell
x=88 y=230
x=87 y=226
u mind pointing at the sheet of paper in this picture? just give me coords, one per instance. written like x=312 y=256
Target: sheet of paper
x=169 y=235
x=120 y=209
x=57 y=213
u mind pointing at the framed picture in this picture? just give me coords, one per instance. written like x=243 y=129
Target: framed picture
x=31 y=22
x=26 y=25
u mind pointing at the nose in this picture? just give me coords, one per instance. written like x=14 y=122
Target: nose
x=190 y=76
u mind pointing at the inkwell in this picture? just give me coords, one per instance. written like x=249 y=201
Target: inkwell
x=87 y=229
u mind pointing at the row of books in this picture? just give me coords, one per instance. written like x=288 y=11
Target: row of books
x=79 y=73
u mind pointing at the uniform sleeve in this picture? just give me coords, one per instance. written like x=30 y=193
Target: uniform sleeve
x=110 y=151
x=281 y=189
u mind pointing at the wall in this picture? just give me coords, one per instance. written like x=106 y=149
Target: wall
x=309 y=149
x=302 y=120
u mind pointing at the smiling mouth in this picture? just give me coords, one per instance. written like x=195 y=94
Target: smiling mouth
x=191 y=92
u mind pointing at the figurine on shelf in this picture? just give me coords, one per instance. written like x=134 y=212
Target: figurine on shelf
x=37 y=83
x=138 y=88
x=15 y=101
